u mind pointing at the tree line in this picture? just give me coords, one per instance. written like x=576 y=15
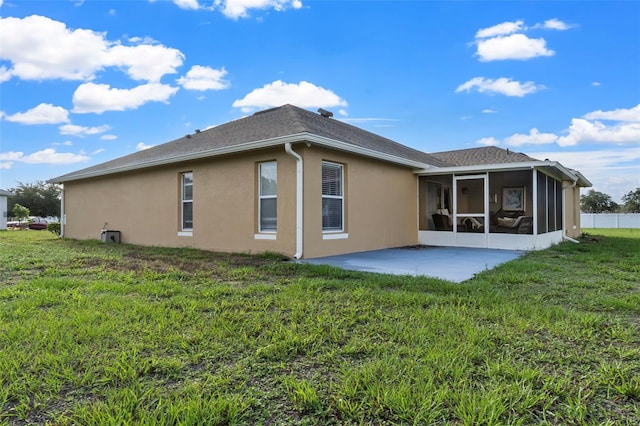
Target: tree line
x=599 y=202
x=35 y=199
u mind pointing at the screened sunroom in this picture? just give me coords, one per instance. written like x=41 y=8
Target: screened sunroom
x=507 y=206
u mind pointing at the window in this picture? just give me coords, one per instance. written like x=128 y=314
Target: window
x=332 y=197
x=268 y=197
x=187 y=201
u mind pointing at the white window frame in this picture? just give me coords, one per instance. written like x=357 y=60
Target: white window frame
x=184 y=201
x=336 y=197
x=266 y=197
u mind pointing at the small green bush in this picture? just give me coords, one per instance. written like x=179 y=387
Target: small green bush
x=54 y=227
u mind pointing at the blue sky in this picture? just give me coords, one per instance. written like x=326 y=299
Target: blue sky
x=83 y=82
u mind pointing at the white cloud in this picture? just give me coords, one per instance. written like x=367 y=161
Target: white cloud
x=503 y=86
x=488 y=141
x=5 y=164
x=41 y=114
x=500 y=29
x=141 y=146
x=204 y=78
x=187 y=4
x=514 y=46
x=303 y=94
x=145 y=62
x=553 y=24
x=533 y=138
x=11 y=156
x=612 y=171
x=142 y=40
x=489 y=111
x=41 y=48
x=581 y=131
x=5 y=74
x=239 y=8
x=507 y=41
x=588 y=129
x=75 y=130
x=108 y=137
x=98 y=98
x=594 y=159
x=620 y=114
x=596 y=84
x=45 y=156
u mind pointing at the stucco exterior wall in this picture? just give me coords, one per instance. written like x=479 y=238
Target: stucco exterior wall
x=145 y=205
x=381 y=204
x=3 y=212
x=572 y=210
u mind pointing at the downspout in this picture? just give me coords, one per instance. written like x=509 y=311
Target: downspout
x=564 y=214
x=299 y=199
x=568 y=238
x=62 y=214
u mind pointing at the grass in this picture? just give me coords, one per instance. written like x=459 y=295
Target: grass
x=94 y=333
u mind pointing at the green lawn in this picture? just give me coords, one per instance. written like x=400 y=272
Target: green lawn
x=94 y=333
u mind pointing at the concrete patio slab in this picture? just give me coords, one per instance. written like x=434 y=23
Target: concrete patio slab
x=455 y=264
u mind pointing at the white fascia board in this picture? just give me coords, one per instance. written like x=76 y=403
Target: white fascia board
x=265 y=143
x=570 y=175
x=181 y=158
x=480 y=168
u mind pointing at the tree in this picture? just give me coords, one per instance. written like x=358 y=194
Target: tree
x=20 y=212
x=631 y=201
x=597 y=202
x=41 y=198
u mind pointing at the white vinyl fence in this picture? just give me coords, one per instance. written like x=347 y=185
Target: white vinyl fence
x=610 y=220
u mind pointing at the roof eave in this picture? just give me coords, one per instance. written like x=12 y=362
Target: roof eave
x=265 y=143
x=564 y=172
x=480 y=168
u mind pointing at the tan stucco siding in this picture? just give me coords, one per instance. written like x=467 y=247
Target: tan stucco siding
x=572 y=210
x=145 y=205
x=380 y=204
x=3 y=212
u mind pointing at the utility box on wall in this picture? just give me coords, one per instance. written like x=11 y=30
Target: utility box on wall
x=110 y=236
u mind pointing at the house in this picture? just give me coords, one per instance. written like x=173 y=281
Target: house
x=292 y=181
x=3 y=208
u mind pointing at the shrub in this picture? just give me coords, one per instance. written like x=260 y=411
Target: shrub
x=54 y=227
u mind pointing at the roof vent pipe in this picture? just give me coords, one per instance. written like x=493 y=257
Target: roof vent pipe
x=325 y=113
x=197 y=130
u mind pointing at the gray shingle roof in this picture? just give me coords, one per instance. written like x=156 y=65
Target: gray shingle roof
x=482 y=156
x=5 y=193
x=264 y=125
